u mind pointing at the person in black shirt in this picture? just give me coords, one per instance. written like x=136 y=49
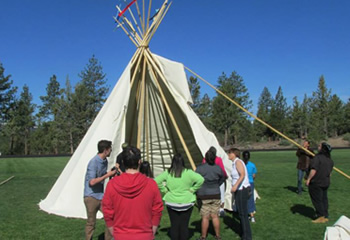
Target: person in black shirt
x=120 y=157
x=319 y=180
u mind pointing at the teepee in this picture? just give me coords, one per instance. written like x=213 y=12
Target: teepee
x=148 y=108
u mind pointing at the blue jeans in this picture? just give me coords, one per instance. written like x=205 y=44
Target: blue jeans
x=241 y=200
x=300 y=180
x=251 y=202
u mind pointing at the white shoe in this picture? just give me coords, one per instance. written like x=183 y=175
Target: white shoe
x=252 y=219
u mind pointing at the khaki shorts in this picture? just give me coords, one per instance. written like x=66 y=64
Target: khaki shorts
x=210 y=206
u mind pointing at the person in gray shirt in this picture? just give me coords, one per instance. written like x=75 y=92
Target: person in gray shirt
x=209 y=194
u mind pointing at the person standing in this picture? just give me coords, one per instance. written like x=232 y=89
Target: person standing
x=132 y=205
x=145 y=168
x=95 y=176
x=240 y=190
x=252 y=171
x=209 y=194
x=179 y=186
x=219 y=162
x=319 y=180
x=120 y=156
x=303 y=164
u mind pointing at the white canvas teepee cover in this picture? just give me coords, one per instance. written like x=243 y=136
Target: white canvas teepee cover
x=66 y=196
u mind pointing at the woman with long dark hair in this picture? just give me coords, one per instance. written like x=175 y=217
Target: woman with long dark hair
x=145 y=168
x=319 y=180
x=179 y=186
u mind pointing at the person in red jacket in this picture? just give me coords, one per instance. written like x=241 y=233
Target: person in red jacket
x=132 y=204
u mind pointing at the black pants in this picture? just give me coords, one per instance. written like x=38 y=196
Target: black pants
x=241 y=200
x=179 y=223
x=319 y=199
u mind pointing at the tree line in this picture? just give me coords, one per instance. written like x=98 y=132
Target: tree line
x=66 y=112
x=60 y=122
x=316 y=117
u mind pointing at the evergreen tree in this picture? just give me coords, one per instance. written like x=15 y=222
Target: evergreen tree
x=226 y=116
x=67 y=115
x=195 y=93
x=297 y=122
x=204 y=111
x=7 y=95
x=264 y=111
x=279 y=113
x=50 y=110
x=320 y=111
x=346 y=111
x=93 y=80
x=336 y=116
x=23 y=120
x=305 y=116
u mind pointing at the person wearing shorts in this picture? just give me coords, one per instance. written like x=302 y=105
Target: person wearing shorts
x=209 y=194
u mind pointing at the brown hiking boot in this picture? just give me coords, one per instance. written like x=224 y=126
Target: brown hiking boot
x=320 y=220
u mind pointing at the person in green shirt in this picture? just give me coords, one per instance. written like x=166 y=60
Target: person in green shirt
x=179 y=186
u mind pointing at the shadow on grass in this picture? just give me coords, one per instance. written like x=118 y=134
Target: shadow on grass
x=303 y=210
x=293 y=189
x=231 y=220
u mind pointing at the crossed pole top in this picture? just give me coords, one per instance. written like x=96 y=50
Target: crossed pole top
x=141 y=28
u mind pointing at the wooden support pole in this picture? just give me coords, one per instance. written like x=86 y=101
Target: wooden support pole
x=146 y=35
x=147 y=122
x=149 y=37
x=142 y=104
x=5 y=181
x=153 y=66
x=261 y=121
x=139 y=14
x=130 y=25
x=149 y=14
x=127 y=33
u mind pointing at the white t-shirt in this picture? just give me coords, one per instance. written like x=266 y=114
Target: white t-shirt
x=235 y=175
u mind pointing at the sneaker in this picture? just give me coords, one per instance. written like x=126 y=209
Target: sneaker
x=252 y=219
x=222 y=212
x=217 y=238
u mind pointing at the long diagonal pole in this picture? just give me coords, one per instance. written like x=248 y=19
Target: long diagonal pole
x=261 y=121
x=152 y=66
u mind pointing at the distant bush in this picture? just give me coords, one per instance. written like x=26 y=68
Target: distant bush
x=284 y=142
x=346 y=137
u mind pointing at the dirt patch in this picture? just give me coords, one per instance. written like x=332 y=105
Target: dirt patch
x=334 y=142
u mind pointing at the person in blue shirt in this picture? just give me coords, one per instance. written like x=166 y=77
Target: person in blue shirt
x=95 y=176
x=251 y=169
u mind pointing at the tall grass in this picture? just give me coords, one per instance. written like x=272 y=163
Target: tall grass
x=281 y=213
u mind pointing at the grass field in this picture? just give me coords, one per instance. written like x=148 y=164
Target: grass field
x=281 y=213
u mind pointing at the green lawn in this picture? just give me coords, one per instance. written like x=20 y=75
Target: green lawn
x=281 y=213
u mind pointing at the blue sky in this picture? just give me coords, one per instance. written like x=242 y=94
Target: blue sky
x=287 y=43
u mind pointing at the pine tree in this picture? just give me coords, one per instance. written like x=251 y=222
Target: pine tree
x=23 y=120
x=264 y=111
x=204 y=111
x=7 y=95
x=279 y=113
x=94 y=81
x=50 y=111
x=336 y=116
x=320 y=110
x=225 y=114
x=195 y=93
